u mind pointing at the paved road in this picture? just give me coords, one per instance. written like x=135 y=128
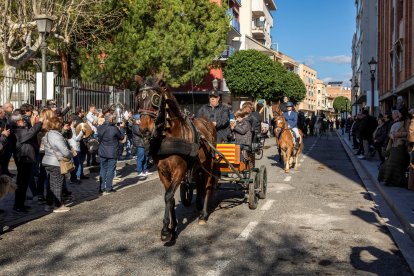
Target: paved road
x=318 y=220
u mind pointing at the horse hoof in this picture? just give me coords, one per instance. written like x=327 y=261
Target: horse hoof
x=166 y=237
x=286 y=171
x=202 y=222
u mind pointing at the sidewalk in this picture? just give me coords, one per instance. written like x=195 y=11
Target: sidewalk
x=86 y=191
x=400 y=200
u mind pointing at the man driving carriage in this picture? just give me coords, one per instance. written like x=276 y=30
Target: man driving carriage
x=218 y=114
x=291 y=118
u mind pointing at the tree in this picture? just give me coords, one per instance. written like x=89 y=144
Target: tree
x=74 y=21
x=252 y=73
x=293 y=87
x=342 y=103
x=178 y=38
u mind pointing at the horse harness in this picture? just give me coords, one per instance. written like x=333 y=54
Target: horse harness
x=170 y=145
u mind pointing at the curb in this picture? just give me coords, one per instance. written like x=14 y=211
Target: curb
x=408 y=228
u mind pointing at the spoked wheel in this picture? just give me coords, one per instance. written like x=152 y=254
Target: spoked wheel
x=253 y=198
x=262 y=182
x=186 y=192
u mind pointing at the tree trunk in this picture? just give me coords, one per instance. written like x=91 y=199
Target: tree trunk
x=65 y=67
x=9 y=72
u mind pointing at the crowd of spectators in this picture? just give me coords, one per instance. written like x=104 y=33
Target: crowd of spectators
x=40 y=139
x=390 y=137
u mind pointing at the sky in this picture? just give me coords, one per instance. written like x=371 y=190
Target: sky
x=317 y=33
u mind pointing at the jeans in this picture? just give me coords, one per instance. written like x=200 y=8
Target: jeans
x=108 y=166
x=141 y=160
x=78 y=161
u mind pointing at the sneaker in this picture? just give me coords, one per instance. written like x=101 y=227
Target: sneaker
x=49 y=208
x=108 y=192
x=148 y=173
x=361 y=157
x=61 y=209
x=142 y=176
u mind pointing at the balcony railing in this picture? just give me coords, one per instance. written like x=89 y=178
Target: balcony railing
x=235 y=24
x=228 y=52
x=233 y=21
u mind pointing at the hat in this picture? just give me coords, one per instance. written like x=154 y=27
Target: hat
x=136 y=117
x=290 y=104
x=213 y=93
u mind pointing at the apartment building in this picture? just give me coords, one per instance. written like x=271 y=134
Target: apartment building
x=256 y=24
x=309 y=77
x=364 y=48
x=337 y=89
x=396 y=52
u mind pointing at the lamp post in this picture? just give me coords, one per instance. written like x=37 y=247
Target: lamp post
x=372 y=69
x=356 y=86
x=44 y=25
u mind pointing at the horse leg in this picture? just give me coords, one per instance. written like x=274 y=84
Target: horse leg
x=207 y=181
x=287 y=160
x=166 y=232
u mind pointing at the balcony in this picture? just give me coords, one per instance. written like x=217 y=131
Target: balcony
x=228 y=52
x=259 y=8
x=235 y=24
x=258 y=29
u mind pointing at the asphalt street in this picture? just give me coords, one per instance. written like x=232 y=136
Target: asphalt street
x=318 y=220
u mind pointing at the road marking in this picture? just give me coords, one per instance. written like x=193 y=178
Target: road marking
x=287 y=178
x=267 y=205
x=247 y=231
x=301 y=160
x=219 y=267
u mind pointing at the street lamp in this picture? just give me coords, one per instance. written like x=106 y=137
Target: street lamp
x=44 y=25
x=372 y=69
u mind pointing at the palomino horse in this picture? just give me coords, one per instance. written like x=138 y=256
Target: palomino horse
x=178 y=145
x=285 y=140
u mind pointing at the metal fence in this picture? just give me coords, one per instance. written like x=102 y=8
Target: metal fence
x=77 y=92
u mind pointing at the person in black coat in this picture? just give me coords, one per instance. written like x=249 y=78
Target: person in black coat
x=11 y=140
x=138 y=142
x=109 y=136
x=218 y=114
x=25 y=157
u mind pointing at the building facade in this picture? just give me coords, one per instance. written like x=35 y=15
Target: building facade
x=309 y=77
x=256 y=24
x=364 y=48
x=396 y=48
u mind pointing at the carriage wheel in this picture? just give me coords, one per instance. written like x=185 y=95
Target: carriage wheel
x=186 y=193
x=259 y=154
x=253 y=199
x=262 y=182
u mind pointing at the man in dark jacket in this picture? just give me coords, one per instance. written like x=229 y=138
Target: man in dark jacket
x=25 y=157
x=283 y=105
x=218 y=114
x=109 y=136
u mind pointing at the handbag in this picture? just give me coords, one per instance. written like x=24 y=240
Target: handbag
x=66 y=165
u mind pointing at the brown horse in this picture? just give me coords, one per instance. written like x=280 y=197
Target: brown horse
x=178 y=145
x=284 y=139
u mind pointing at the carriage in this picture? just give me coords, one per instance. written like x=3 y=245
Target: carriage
x=235 y=167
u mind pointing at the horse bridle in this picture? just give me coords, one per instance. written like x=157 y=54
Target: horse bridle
x=156 y=102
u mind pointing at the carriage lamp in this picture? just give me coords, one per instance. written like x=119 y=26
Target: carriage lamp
x=215 y=84
x=44 y=26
